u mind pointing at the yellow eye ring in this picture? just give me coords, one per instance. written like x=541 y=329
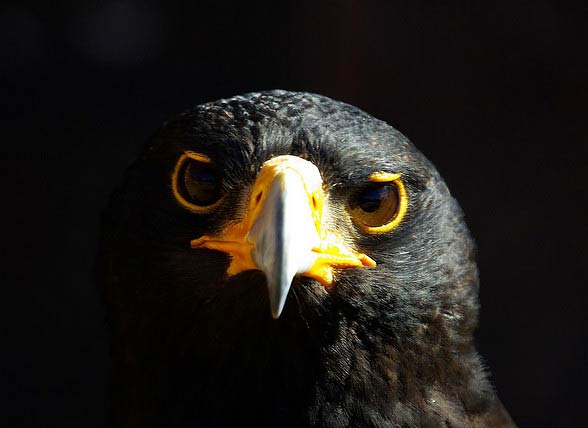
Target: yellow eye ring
x=179 y=169
x=389 y=209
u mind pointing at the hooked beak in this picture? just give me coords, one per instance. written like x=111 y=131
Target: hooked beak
x=282 y=233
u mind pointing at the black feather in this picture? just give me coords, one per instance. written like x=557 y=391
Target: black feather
x=390 y=346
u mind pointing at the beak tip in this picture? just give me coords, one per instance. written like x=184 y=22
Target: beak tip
x=276 y=307
x=277 y=299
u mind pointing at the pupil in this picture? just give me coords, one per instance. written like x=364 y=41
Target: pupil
x=202 y=175
x=201 y=184
x=371 y=199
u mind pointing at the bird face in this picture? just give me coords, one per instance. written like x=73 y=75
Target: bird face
x=328 y=217
x=302 y=191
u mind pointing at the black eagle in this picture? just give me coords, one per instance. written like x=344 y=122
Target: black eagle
x=281 y=259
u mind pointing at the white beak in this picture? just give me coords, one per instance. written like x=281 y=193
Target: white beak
x=284 y=235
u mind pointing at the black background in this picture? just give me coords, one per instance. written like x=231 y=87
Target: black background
x=494 y=93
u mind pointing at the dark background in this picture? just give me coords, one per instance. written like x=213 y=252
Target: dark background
x=494 y=93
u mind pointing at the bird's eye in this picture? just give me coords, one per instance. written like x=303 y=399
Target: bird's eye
x=196 y=183
x=199 y=183
x=379 y=207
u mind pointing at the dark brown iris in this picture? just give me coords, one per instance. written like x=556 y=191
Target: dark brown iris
x=199 y=183
x=375 y=205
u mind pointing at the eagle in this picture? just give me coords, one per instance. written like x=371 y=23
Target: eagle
x=282 y=259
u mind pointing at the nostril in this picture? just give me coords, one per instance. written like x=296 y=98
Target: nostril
x=314 y=202
x=258 y=198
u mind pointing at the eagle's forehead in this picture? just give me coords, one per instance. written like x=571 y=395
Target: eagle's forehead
x=276 y=104
x=338 y=137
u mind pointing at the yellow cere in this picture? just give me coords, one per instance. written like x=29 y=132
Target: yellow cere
x=308 y=173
